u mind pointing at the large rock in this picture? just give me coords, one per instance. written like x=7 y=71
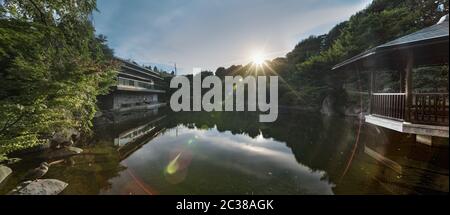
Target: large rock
x=4 y=173
x=327 y=106
x=355 y=111
x=65 y=137
x=40 y=187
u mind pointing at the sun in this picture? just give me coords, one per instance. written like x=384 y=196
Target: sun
x=258 y=59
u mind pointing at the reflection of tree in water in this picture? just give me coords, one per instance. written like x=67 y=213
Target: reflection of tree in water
x=320 y=143
x=90 y=173
x=86 y=174
x=317 y=142
x=328 y=143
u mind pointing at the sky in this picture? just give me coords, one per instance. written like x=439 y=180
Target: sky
x=208 y=34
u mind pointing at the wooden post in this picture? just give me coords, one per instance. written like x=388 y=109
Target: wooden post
x=408 y=89
x=402 y=79
x=371 y=91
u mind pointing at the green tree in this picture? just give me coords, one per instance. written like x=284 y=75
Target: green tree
x=221 y=72
x=52 y=68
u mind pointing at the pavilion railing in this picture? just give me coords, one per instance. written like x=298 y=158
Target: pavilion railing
x=390 y=105
x=425 y=108
x=430 y=108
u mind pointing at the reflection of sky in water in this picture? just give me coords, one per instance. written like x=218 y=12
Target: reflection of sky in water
x=195 y=161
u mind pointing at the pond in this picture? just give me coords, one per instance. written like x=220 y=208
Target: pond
x=162 y=152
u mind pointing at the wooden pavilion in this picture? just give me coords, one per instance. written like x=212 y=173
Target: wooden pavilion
x=423 y=114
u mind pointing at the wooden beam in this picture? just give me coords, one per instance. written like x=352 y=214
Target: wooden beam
x=383 y=160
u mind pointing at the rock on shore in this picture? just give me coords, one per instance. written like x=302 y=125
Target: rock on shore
x=40 y=187
x=4 y=173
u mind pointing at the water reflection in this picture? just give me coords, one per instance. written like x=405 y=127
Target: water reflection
x=302 y=153
x=132 y=135
x=198 y=161
x=162 y=152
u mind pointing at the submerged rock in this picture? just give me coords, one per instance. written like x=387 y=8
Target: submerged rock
x=75 y=150
x=37 y=172
x=11 y=161
x=40 y=187
x=62 y=153
x=4 y=173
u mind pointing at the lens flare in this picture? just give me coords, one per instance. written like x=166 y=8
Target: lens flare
x=173 y=166
x=258 y=59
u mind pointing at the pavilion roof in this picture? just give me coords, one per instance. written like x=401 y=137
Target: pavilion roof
x=427 y=46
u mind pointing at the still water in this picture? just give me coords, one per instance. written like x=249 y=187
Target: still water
x=161 y=152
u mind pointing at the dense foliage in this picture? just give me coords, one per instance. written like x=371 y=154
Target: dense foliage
x=52 y=68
